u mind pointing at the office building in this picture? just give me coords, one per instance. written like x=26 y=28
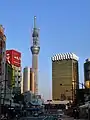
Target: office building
x=13 y=58
x=3 y=83
x=2 y=55
x=87 y=73
x=9 y=74
x=87 y=70
x=35 y=48
x=22 y=84
x=28 y=80
x=65 y=80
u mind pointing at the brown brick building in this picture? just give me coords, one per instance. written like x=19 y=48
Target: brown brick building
x=64 y=76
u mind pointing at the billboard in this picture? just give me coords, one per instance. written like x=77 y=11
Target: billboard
x=9 y=56
x=13 y=57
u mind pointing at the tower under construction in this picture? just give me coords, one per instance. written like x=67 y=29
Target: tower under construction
x=35 y=48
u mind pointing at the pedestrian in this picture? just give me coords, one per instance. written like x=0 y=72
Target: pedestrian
x=77 y=113
x=7 y=116
x=74 y=113
x=17 y=117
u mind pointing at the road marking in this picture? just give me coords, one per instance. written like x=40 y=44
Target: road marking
x=45 y=118
x=32 y=117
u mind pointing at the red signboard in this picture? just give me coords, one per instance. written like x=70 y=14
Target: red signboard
x=13 y=57
x=9 y=56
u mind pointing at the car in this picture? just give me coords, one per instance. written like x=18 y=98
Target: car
x=36 y=115
x=60 y=113
x=59 y=118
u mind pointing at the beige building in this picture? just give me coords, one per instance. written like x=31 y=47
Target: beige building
x=65 y=79
x=22 y=84
x=32 y=81
x=28 y=80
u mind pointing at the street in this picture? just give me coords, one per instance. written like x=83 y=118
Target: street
x=44 y=118
x=47 y=118
x=48 y=115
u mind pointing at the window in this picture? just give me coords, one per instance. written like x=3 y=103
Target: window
x=88 y=75
x=68 y=97
x=19 y=82
x=19 y=76
x=60 y=84
x=66 y=90
x=63 y=97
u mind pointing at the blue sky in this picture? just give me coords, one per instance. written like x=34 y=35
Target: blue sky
x=64 y=27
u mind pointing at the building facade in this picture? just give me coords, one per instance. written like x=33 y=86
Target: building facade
x=32 y=80
x=65 y=80
x=87 y=70
x=13 y=58
x=22 y=84
x=9 y=74
x=28 y=80
x=2 y=63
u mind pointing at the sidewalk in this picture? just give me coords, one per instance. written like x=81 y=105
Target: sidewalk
x=80 y=119
x=83 y=119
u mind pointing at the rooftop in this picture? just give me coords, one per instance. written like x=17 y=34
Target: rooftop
x=64 y=56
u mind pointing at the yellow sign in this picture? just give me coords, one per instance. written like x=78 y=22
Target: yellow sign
x=87 y=84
